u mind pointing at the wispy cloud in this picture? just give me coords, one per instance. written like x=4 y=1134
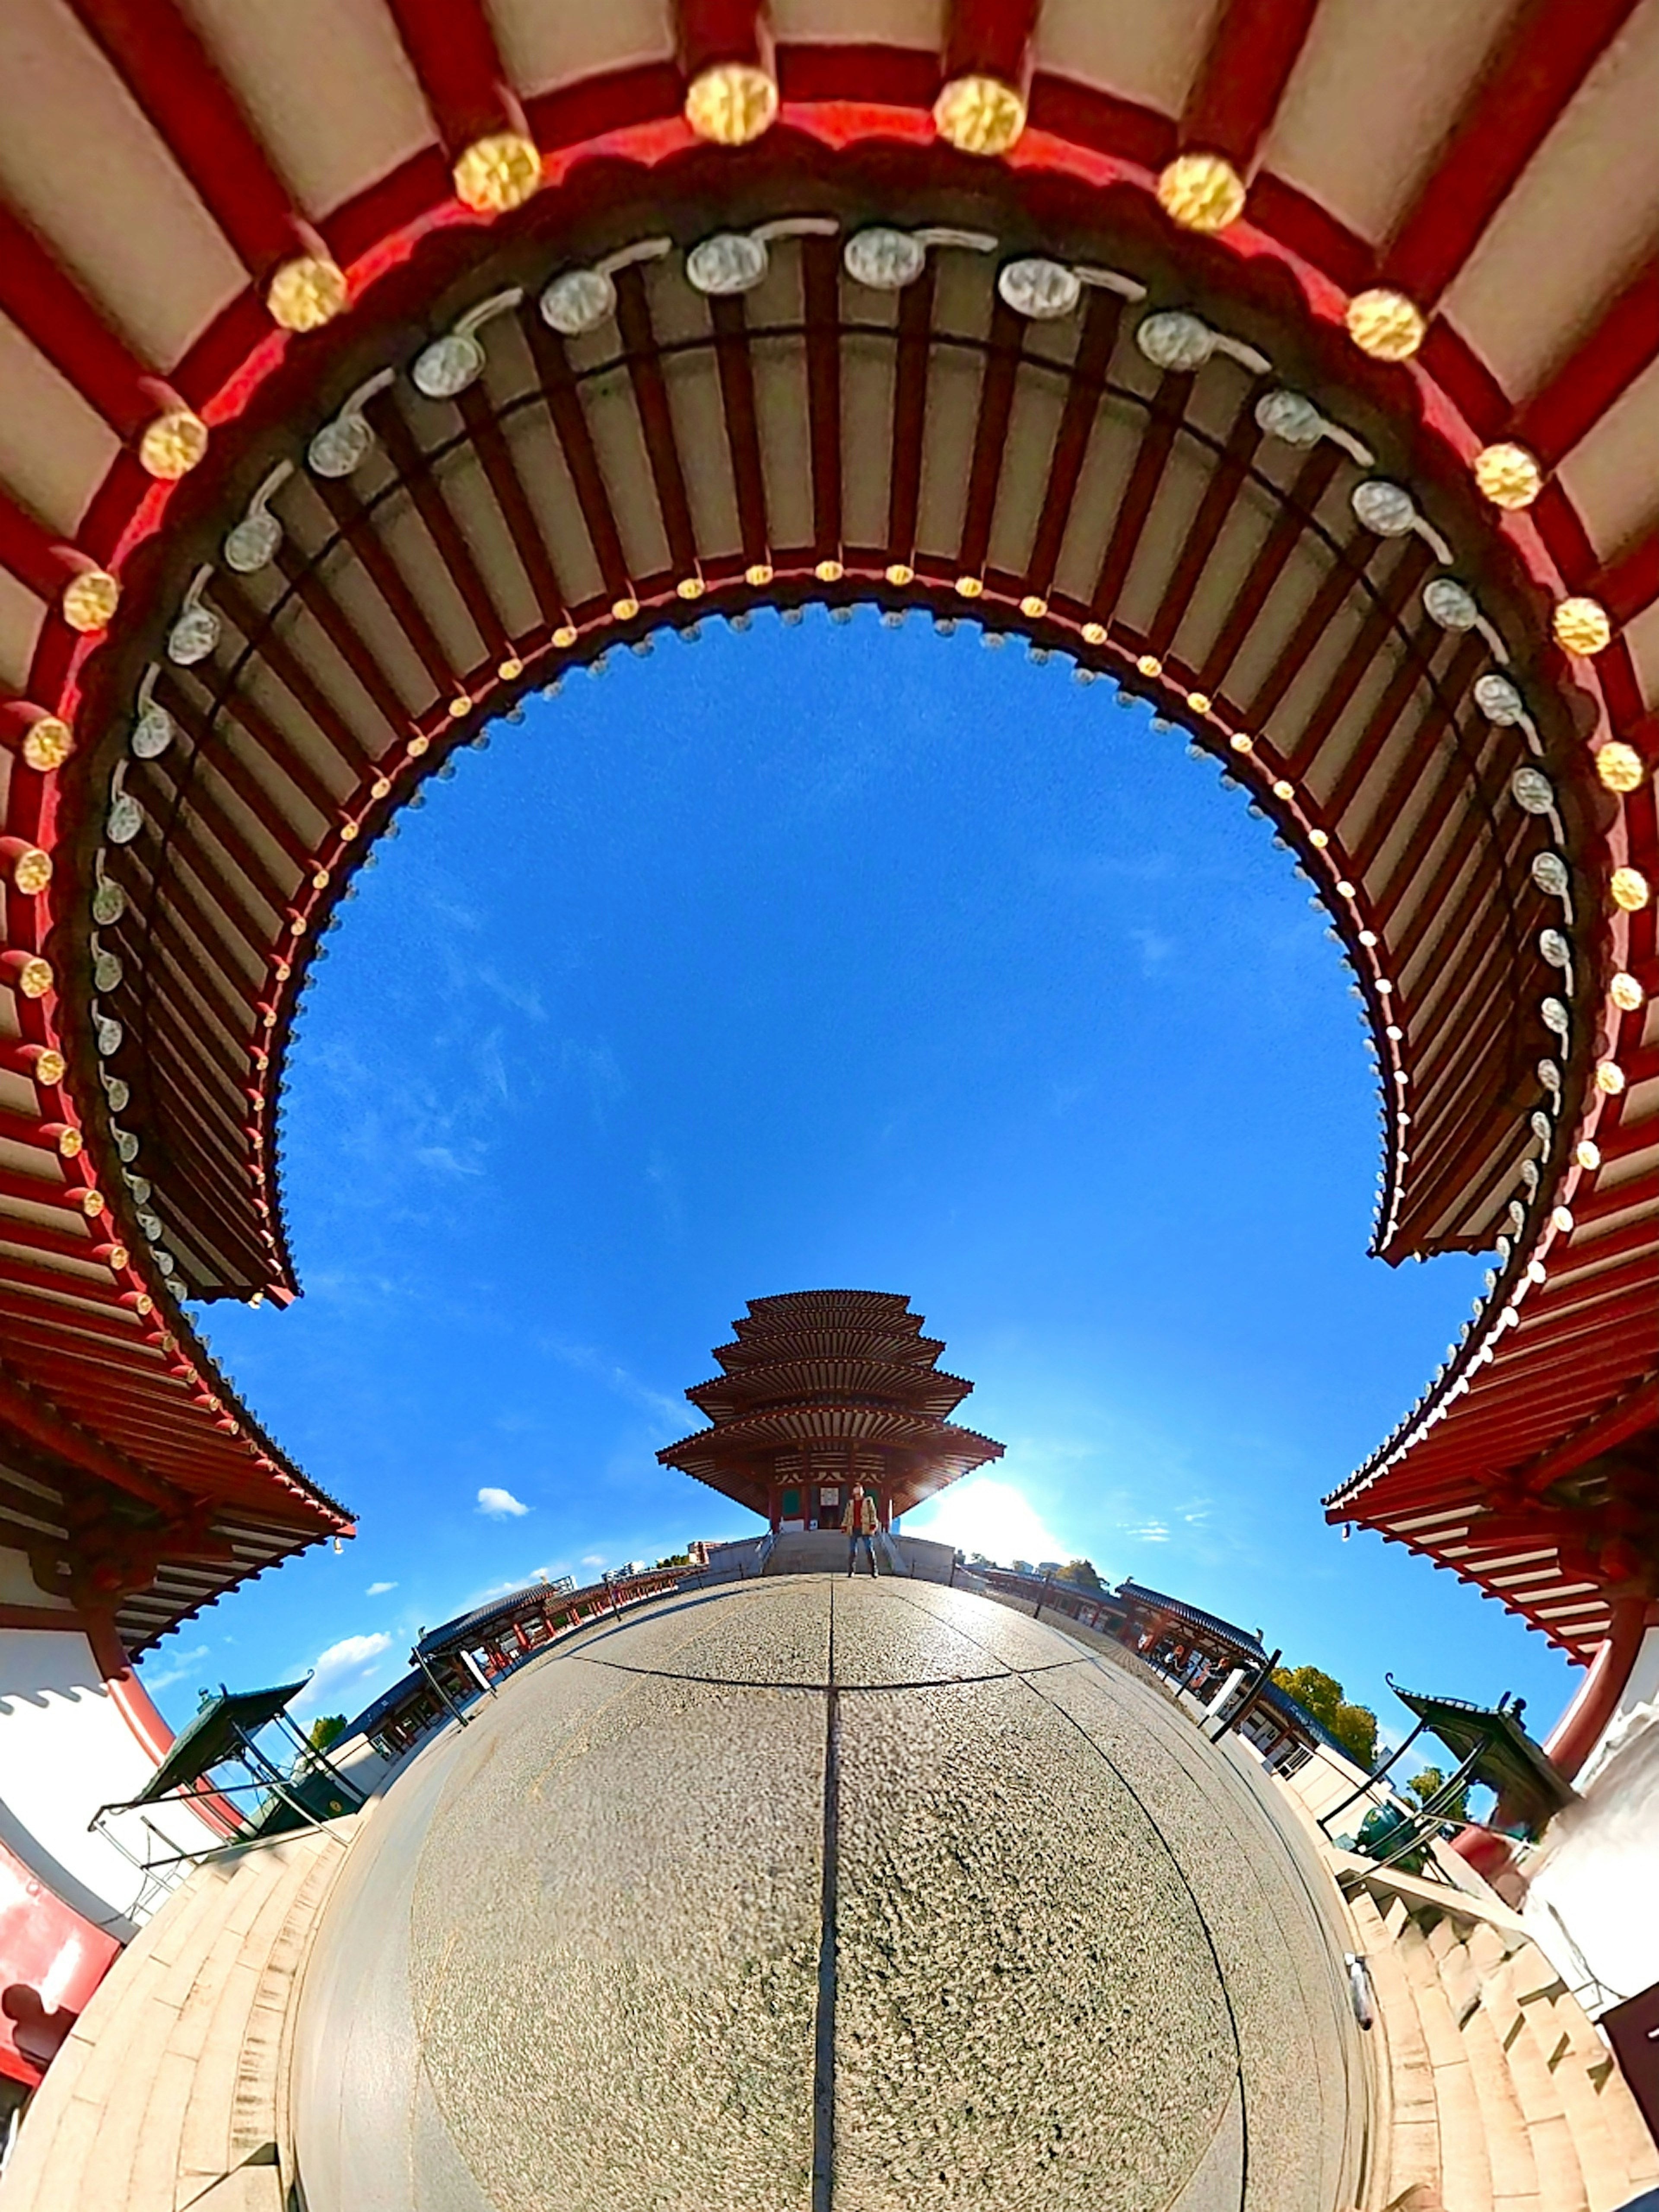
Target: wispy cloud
x=1155 y=949
x=446 y=1160
x=587 y=1359
x=183 y=1663
x=592 y=1558
x=343 y=1669
x=500 y=1504
x=379 y=1590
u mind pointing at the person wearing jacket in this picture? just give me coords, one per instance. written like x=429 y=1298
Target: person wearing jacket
x=860 y=1523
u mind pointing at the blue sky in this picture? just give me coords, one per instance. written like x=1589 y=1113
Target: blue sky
x=838 y=955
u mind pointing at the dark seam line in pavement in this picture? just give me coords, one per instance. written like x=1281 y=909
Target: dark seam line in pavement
x=845 y=1689
x=1106 y=1759
x=823 y=2048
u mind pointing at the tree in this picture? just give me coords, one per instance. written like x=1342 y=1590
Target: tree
x=1427 y=1780
x=328 y=1728
x=1354 y=1727
x=1082 y=1572
x=676 y=1560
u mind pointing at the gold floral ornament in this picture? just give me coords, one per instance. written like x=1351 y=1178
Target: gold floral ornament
x=173 y=444
x=1609 y=1079
x=1630 y=890
x=731 y=104
x=90 y=600
x=1201 y=191
x=1385 y=324
x=1618 y=766
x=970 y=588
x=498 y=174
x=1509 y=476
x=1033 y=606
x=1582 y=627
x=1626 y=993
x=49 y=744
x=35 y=977
x=31 y=870
x=980 y=115
x=306 y=292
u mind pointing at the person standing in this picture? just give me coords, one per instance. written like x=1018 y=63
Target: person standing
x=860 y=1523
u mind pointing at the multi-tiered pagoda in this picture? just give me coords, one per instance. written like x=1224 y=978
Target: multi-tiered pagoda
x=824 y=1389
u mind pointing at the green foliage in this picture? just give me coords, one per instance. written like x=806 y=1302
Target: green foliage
x=1354 y=1727
x=325 y=1730
x=676 y=1560
x=1429 y=1779
x=1082 y=1572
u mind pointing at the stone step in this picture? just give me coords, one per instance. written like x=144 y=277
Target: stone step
x=175 y=2094
x=1410 y=2150
x=1466 y=2176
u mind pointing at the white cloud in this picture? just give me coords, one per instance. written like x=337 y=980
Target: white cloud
x=592 y=1558
x=981 y=1515
x=379 y=1590
x=183 y=1662
x=343 y=1669
x=500 y=1504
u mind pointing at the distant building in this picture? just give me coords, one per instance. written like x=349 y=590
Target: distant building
x=821 y=1389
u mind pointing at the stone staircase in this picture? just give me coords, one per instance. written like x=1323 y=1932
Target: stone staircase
x=1499 y=2095
x=170 y=2091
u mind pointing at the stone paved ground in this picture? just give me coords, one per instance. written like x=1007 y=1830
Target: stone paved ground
x=828 y=1895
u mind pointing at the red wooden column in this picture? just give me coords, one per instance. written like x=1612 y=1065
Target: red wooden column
x=1581 y=1727
x=725 y=50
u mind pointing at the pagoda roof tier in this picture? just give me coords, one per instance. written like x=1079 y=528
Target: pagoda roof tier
x=871 y=1344
x=833 y=1423
x=919 y=1389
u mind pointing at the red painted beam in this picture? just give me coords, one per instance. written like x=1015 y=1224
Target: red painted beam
x=155 y=51
x=1140 y=493
x=55 y=315
x=1228 y=477
x=991 y=37
x=564 y=403
x=32 y=1418
x=996 y=403
x=452 y=51
x=1070 y=447
x=1616 y=1425
x=438 y=519
x=1552 y=49
x=736 y=379
x=915 y=329
x=1312 y=480
x=708 y=33
x=821 y=289
x=507 y=487
x=1254 y=48
x=1629 y=585
x=1599 y=369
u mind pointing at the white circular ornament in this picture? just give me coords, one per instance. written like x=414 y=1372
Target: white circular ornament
x=106 y=973
x=1555 y=1016
x=152 y=733
x=1532 y=791
x=444 y=369
x=1290 y=417
x=109 y=902
x=1550 y=873
x=1175 y=341
x=581 y=301
x=1549 y=1075
x=194 y=636
x=885 y=260
x=252 y=546
x=125 y=820
x=1451 y=603
x=1042 y=291
x=1498 y=700
x=1387 y=508
x=1553 y=949
x=340 y=446
x=109 y=1034
x=729 y=263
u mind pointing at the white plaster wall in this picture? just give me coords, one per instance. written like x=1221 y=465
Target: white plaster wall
x=1595 y=1876
x=65 y=1749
